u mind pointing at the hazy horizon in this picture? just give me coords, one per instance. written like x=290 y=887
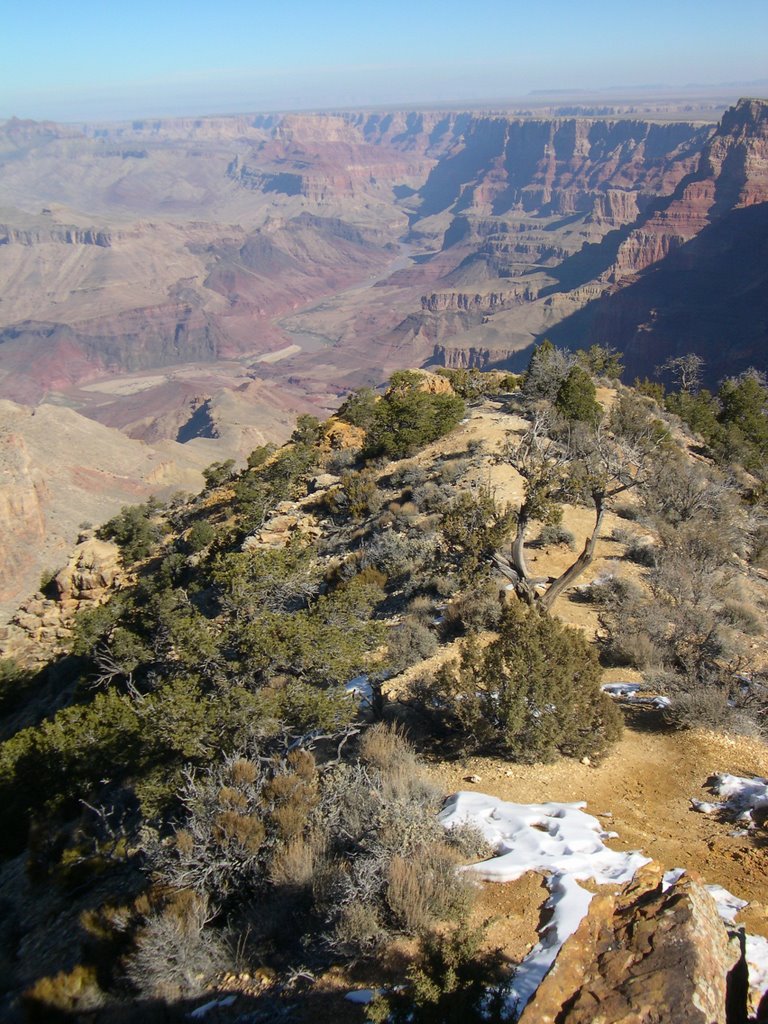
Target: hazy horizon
x=86 y=62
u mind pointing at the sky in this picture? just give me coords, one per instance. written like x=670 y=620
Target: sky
x=99 y=59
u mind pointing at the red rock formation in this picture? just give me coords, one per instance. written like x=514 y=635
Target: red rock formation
x=642 y=957
x=732 y=172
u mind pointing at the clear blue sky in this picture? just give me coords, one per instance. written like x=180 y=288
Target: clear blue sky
x=89 y=59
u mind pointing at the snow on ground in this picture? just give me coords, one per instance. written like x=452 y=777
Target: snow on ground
x=621 y=689
x=360 y=687
x=741 y=797
x=757 y=961
x=629 y=693
x=559 y=840
x=728 y=905
x=363 y=996
x=565 y=844
x=201 y=1011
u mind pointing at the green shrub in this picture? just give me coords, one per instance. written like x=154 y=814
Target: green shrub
x=399 y=556
x=556 y=533
x=743 y=617
x=407 y=418
x=744 y=421
x=532 y=693
x=699 y=411
x=218 y=473
x=259 y=456
x=409 y=643
x=547 y=369
x=200 y=536
x=470 y=384
x=359 y=408
x=476 y=609
x=175 y=956
x=474 y=526
x=601 y=361
x=649 y=388
x=390 y=866
x=134 y=531
x=454 y=979
x=358 y=494
x=308 y=430
x=16 y=683
x=575 y=399
x=60 y=997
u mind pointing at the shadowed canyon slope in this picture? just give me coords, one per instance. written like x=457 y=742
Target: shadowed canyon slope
x=206 y=279
x=133 y=247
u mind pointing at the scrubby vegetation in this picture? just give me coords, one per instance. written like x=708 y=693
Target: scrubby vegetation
x=220 y=757
x=532 y=693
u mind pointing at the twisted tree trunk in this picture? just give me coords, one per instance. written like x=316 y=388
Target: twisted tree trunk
x=572 y=573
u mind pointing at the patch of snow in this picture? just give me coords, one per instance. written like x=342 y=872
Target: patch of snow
x=741 y=797
x=201 y=1011
x=559 y=840
x=755 y=946
x=629 y=693
x=705 y=806
x=360 y=687
x=728 y=905
x=620 y=689
x=757 y=962
x=671 y=877
x=362 y=995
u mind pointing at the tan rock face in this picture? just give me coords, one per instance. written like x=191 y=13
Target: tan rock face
x=93 y=568
x=340 y=435
x=22 y=499
x=42 y=626
x=431 y=383
x=641 y=957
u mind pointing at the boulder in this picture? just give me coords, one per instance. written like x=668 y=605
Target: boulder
x=93 y=569
x=644 y=956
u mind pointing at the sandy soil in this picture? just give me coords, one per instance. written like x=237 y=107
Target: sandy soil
x=642 y=791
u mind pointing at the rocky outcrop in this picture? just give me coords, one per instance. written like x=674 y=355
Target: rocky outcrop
x=93 y=568
x=54 y=356
x=469 y=358
x=556 y=167
x=43 y=624
x=287 y=522
x=437 y=302
x=61 y=235
x=693 y=275
x=23 y=496
x=643 y=957
x=732 y=173
x=60 y=471
x=615 y=207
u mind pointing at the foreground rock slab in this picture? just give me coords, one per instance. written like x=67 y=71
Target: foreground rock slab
x=646 y=956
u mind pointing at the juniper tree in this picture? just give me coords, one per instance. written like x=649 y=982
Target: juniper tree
x=578 y=463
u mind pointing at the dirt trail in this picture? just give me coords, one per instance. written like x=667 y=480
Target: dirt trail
x=646 y=784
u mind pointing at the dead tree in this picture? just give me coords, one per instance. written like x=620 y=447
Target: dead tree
x=573 y=464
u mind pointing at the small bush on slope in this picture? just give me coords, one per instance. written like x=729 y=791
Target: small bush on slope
x=575 y=399
x=532 y=693
x=453 y=980
x=407 y=419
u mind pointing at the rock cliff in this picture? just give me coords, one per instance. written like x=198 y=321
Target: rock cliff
x=731 y=173
x=693 y=274
x=645 y=956
x=60 y=470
